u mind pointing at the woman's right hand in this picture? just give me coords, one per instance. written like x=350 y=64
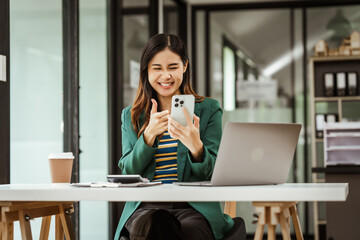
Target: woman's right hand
x=158 y=124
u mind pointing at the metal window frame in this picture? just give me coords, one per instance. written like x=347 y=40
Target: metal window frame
x=70 y=20
x=5 y=94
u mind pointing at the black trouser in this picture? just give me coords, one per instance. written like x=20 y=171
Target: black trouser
x=168 y=221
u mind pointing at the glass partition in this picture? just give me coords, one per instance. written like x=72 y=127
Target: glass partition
x=36 y=92
x=263 y=83
x=135 y=35
x=251 y=73
x=94 y=220
x=171 y=17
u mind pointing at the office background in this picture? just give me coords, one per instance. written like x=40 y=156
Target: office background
x=72 y=66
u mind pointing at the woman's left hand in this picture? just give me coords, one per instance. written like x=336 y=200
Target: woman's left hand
x=189 y=135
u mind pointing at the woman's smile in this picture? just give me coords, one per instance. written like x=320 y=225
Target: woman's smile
x=166 y=85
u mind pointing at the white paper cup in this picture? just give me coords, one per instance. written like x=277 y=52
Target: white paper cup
x=61 y=167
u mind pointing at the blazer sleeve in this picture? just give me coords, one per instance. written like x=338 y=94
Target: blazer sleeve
x=211 y=140
x=136 y=156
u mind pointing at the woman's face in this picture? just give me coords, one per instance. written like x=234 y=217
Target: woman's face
x=165 y=71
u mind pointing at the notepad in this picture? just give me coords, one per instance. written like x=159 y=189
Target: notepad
x=114 y=185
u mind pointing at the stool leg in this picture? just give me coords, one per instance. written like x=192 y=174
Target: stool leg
x=259 y=231
x=7 y=231
x=230 y=209
x=271 y=232
x=66 y=223
x=45 y=227
x=296 y=222
x=284 y=227
x=59 y=232
x=260 y=223
x=24 y=226
x=270 y=219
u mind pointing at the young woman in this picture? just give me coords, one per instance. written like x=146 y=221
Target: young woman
x=160 y=149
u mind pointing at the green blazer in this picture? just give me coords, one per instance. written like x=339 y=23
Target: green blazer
x=138 y=158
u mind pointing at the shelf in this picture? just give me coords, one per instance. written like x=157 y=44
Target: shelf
x=343 y=148
x=343 y=135
x=338 y=105
x=334 y=99
x=337 y=169
x=322 y=222
x=320 y=180
x=334 y=58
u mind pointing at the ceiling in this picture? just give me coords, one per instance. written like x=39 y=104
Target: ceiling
x=264 y=34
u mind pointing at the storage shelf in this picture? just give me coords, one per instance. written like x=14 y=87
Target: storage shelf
x=335 y=99
x=320 y=180
x=322 y=222
x=335 y=58
x=343 y=148
x=337 y=169
x=337 y=105
x=343 y=135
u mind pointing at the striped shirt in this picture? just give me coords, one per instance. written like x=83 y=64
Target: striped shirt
x=166 y=160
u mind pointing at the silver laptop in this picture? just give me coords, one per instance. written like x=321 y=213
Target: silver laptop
x=253 y=154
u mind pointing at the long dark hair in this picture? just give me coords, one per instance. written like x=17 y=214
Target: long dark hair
x=145 y=92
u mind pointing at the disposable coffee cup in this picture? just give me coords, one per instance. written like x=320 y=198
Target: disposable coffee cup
x=61 y=167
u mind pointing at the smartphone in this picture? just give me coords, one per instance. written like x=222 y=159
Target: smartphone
x=177 y=103
x=126 y=178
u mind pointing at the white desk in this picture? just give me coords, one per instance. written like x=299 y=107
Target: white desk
x=277 y=201
x=167 y=192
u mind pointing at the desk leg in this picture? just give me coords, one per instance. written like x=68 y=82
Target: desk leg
x=45 y=227
x=66 y=223
x=7 y=231
x=25 y=226
x=59 y=232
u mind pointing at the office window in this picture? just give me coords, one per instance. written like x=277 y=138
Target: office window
x=36 y=92
x=93 y=164
x=171 y=17
x=136 y=34
x=263 y=80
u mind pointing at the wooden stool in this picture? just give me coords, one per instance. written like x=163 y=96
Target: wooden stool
x=273 y=213
x=230 y=209
x=25 y=211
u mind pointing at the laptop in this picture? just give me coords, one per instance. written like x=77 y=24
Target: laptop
x=253 y=154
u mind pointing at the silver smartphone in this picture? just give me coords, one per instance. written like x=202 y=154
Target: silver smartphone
x=177 y=103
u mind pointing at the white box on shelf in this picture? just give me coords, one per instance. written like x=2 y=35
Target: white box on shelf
x=342 y=143
x=3 y=68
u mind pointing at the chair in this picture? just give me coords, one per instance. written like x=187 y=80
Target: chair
x=238 y=232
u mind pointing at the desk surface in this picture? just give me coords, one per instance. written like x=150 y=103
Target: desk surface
x=169 y=192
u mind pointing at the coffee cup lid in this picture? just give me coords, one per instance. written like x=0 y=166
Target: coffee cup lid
x=65 y=155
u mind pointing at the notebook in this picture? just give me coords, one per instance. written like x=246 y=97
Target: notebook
x=253 y=154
